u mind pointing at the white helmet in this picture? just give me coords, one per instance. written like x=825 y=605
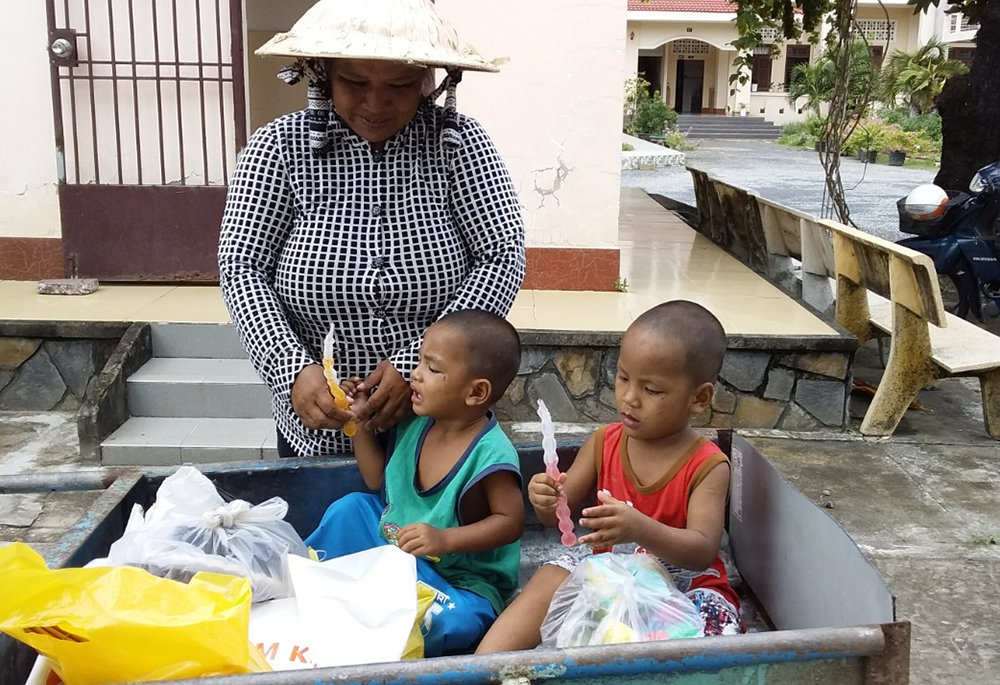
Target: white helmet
x=925 y=202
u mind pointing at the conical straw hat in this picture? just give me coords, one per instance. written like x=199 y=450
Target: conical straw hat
x=398 y=30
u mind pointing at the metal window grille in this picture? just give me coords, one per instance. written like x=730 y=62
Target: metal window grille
x=154 y=98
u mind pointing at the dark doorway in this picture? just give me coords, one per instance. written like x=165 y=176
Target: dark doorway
x=651 y=69
x=690 y=82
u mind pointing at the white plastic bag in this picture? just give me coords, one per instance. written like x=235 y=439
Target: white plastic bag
x=190 y=528
x=614 y=598
x=354 y=609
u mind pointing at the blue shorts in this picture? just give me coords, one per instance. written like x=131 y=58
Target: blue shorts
x=455 y=622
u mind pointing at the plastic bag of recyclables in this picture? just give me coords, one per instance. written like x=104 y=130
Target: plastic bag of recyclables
x=613 y=598
x=366 y=607
x=121 y=624
x=190 y=528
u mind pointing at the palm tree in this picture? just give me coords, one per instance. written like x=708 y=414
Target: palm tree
x=814 y=82
x=918 y=76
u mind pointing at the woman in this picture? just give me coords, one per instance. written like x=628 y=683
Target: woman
x=374 y=212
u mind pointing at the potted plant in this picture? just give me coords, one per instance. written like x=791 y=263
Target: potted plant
x=897 y=143
x=868 y=139
x=743 y=108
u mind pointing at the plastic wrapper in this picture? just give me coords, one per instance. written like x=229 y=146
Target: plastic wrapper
x=616 y=598
x=191 y=529
x=121 y=624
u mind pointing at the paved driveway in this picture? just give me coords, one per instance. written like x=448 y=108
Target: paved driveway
x=791 y=176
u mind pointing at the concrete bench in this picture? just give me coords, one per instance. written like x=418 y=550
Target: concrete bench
x=786 y=246
x=882 y=289
x=927 y=343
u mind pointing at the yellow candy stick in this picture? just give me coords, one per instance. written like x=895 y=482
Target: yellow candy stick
x=339 y=397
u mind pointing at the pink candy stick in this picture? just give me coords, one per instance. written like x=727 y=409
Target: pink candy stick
x=551 y=460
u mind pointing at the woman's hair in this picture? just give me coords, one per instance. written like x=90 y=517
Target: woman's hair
x=493 y=347
x=695 y=329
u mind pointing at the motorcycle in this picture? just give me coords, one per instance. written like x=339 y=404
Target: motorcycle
x=959 y=232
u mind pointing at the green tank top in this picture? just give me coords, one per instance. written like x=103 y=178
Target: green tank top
x=492 y=575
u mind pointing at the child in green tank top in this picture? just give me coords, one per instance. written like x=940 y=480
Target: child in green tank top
x=449 y=480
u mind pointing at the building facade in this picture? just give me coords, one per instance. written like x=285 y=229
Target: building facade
x=684 y=49
x=125 y=119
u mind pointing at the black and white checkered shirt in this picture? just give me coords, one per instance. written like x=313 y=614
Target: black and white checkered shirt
x=380 y=244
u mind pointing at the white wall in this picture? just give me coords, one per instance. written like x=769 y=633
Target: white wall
x=29 y=205
x=554 y=110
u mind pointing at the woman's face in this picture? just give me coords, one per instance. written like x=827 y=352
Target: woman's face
x=376 y=98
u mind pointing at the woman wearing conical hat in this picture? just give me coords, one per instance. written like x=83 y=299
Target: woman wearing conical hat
x=371 y=214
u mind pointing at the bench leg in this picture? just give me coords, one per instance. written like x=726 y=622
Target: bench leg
x=989 y=384
x=909 y=368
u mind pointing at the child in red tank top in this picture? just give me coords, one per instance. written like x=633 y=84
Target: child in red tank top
x=661 y=487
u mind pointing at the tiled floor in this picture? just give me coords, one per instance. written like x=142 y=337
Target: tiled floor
x=661 y=258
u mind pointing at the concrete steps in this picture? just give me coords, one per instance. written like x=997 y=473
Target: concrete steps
x=197 y=400
x=720 y=127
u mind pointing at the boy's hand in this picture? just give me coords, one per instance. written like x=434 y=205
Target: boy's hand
x=612 y=522
x=543 y=492
x=422 y=540
x=350 y=388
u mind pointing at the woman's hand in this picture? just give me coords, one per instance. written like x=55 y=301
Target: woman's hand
x=389 y=398
x=312 y=401
x=543 y=492
x=612 y=521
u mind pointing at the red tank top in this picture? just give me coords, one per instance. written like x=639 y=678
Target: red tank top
x=666 y=500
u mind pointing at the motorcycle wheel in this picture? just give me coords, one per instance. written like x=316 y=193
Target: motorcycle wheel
x=955 y=288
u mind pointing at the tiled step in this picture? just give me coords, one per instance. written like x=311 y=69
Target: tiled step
x=702 y=126
x=154 y=441
x=196 y=340
x=197 y=400
x=198 y=387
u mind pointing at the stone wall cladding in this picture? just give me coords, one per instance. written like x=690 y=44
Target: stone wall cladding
x=789 y=389
x=47 y=366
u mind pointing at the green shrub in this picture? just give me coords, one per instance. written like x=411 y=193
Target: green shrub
x=797 y=134
x=898 y=140
x=928 y=125
x=652 y=116
x=627 y=148
x=869 y=135
x=678 y=140
x=814 y=126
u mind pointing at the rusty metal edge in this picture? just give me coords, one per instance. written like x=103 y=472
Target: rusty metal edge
x=626 y=660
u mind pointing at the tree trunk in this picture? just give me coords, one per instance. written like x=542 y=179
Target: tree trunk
x=970 y=109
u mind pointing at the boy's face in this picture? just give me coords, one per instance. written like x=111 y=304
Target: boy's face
x=441 y=381
x=653 y=392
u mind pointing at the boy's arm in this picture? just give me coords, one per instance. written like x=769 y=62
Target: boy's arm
x=367 y=450
x=371 y=458
x=504 y=524
x=578 y=482
x=694 y=547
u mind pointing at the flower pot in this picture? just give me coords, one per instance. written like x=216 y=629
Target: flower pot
x=868 y=156
x=896 y=158
x=743 y=112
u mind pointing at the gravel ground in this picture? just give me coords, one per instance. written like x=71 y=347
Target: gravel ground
x=791 y=176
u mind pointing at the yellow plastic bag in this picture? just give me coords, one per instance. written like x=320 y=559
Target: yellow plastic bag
x=414 y=648
x=122 y=624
